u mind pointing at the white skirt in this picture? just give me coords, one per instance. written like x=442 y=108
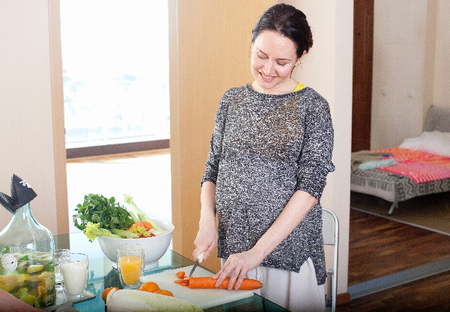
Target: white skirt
x=292 y=291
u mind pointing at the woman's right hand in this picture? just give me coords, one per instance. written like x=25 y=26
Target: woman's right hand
x=207 y=236
x=206 y=241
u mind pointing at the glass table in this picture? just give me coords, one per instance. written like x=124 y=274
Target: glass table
x=102 y=275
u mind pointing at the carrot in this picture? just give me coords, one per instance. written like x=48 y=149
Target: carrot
x=149 y=286
x=183 y=282
x=143 y=224
x=147 y=225
x=135 y=225
x=181 y=274
x=209 y=282
x=163 y=292
x=106 y=292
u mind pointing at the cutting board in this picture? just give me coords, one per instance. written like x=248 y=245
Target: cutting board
x=204 y=298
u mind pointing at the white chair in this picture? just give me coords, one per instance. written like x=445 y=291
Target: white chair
x=331 y=237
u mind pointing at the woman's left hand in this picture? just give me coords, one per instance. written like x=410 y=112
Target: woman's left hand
x=237 y=266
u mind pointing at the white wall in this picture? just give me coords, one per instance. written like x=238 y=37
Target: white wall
x=441 y=94
x=410 y=67
x=31 y=115
x=328 y=69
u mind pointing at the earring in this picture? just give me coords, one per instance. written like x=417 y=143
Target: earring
x=292 y=71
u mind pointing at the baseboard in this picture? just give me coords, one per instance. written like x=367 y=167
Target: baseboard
x=343 y=299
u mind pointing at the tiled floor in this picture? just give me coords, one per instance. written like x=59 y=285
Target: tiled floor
x=145 y=175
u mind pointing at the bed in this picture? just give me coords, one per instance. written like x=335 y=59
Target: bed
x=418 y=166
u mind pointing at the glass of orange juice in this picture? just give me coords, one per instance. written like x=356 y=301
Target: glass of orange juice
x=131 y=262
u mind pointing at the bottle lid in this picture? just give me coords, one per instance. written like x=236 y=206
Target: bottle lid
x=21 y=194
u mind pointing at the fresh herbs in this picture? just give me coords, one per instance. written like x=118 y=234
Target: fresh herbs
x=108 y=213
x=101 y=216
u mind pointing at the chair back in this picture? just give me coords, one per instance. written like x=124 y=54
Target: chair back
x=331 y=237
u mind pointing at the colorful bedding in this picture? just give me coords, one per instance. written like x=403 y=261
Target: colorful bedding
x=419 y=166
x=418 y=173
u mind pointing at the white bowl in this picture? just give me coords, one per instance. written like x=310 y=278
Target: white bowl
x=155 y=246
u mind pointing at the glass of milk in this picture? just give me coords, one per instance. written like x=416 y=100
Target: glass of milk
x=131 y=262
x=61 y=255
x=75 y=273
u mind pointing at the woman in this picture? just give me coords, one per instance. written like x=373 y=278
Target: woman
x=269 y=157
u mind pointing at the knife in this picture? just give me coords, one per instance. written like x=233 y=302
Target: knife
x=199 y=259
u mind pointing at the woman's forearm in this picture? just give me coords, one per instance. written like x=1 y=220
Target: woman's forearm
x=295 y=211
x=206 y=239
x=208 y=203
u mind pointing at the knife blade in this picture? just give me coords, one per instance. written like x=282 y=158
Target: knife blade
x=199 y=260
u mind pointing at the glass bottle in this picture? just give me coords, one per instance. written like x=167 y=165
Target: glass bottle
x=27 y=264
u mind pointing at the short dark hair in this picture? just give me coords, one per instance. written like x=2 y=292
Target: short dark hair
x=289 y=22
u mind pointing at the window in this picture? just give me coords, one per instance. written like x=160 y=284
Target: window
x=116 y=71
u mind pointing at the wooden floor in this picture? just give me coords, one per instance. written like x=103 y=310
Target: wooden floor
x=429 y=294
x=379 y=247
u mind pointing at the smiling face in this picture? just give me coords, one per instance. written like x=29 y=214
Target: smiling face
x=273 y=59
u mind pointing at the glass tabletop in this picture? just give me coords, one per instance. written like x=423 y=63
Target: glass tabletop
x=102 y=275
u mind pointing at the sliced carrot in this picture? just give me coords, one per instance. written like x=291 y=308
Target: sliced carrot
x=135 y=225
x=181 y=274
x=106 y=292
x=163 y=292
x=209 y=282
x=144 y=224
x=149 y=286
x=183 y=282
x=147 y=225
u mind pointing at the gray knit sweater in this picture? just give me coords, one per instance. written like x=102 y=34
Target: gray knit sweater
x=264 y=148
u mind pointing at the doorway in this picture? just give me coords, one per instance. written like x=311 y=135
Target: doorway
x=362 y=74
